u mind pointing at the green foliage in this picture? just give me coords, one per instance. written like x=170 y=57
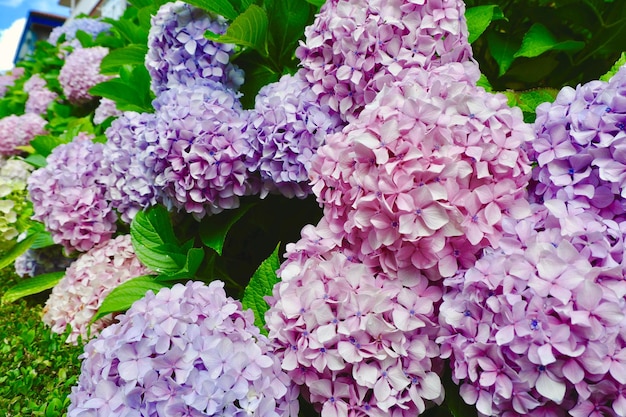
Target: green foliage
x=260 y=286
x=125 y=294
x=31 y=286
x=37 y=367
x=131 y=91
x=214 y=229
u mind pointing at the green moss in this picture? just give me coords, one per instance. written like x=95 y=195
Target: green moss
x=37 y=368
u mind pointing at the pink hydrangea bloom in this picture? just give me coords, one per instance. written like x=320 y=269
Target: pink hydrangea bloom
x=539 y=324
x=427 y=172
x=355 y=47
x=107 y=108
x=39 y=96
x=80 y=72
x=362 y=343
x=8 y=80
x=186 y=351
x=88 y=280
x=68 y=195
x=19 y=131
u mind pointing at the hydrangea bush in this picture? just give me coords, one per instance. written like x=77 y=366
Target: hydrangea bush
x=19 y=131
x=80 y=72
x=14 y=205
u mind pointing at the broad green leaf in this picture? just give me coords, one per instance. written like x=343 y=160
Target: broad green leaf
x=43 y=240
x=152 y=228
x=129 y=55
x=260 y=286
x=257 y=76
x=220 y=7
x=249 y=29
x=44 y=145
x=502 y=50
x=38 y=161
x=132 y=32
x=528 y=101
x=194 y=259
x=318 y=3
x=33 y=285
x=130 y=92
x=124 y=295
x=618 y=64
x=479 y=18
x=16 y=250
x=214 y=229
x=484 y=83
x=287 y=20
x=539 y=39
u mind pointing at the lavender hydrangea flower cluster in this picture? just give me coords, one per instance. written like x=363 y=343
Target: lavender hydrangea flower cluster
x=203 y=142
x=188 y=350
x=427 y=172
x=19 y=131
x=290 y=127
x=130 y=183
x=362 y=343
x=8 y=80
x=90 y=26
x=538 y=326
x=80 y=72
x=35 y=262
x=88 y=280
x=180 y=54
x=579 y=150
x=355 y=47
x=68 y=195
x=13 y=202
x=39 y=96
x=107 y=108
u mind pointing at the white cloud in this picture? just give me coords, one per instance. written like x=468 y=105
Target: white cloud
x=11 y=3
x=9 y=38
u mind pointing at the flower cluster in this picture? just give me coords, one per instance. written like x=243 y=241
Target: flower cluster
x=180 y=53
x=291 y=125
x=426 y=173
x=362 y=343
x=203 y=141
x=129 y=182
x=35 y=262
x=68 y=195
x=107 y=108
x=188 y=350
x=80 y=72
x=539 y=324
x=13 y=202
x=88 y=280
x=39 y=96
x=8 y=80
x=355 y=47
x=19 y=131
x=90 y=26
x=580 y=145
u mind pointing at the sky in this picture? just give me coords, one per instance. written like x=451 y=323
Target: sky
x=13 y=15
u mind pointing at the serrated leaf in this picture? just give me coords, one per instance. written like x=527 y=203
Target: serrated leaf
x=214 y=229
x=124 y=295
x=32 y=286
x=16 y=250
x=479 y=18
x=287 y=20
x=129 y=55
x=502 y=50
x=131 y=92
x=249 y=29
x=221 y=7
x=194 y=259
x=618 y=64
x=260 y=286
x=539 y=39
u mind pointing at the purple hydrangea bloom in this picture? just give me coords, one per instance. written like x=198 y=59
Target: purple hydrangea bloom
x=291 y=125
x=189 y=350
x=92 y=27
x=539 y=324
x=355 y=47
x=80 y=72
x=130 y=184
x=362 y=343
x=580 y=145
x=179 y=53
x=39 y=96
x=19 y=131
x=68 y=196
x=427 y=172
x=35 y=262
x=204 y=138
x=107 y=108
x=88 y=280
x=8 y=80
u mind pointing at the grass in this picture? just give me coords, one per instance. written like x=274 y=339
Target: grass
x=37 y=368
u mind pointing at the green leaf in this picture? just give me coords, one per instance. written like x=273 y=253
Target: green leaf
x=194 y=259
x=249 y=29
x=478 y=19
x=129 y=55
x=618 y=64
x=260 y=286
x=43 y=240
x=213 y=229
x=124 y=295
x=38 y=161
x=33 y=285
x=44 y=145
x=221 y=7
x=131 y=92
x=502 y=50
x=16 y=250
x=538 y=40
x=528 y=101
x=257 y=76
x=318 y=3
x=287 y=20
x=85 y=39
x=131 y=31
